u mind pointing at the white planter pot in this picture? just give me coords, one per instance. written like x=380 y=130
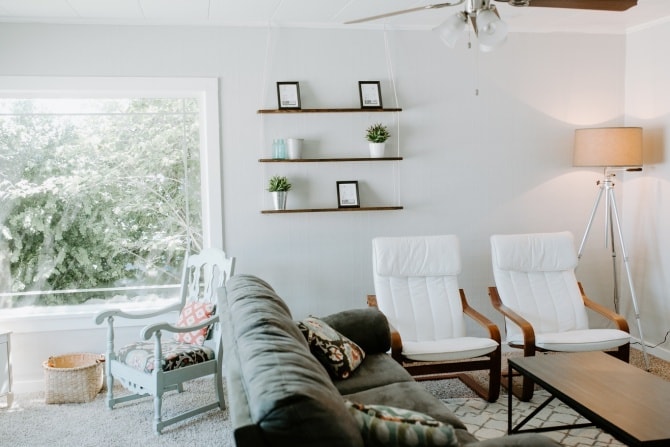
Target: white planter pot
x=377 y=150
x=294 y=148
x=279 y=199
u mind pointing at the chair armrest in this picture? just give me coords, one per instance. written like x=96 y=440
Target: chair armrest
x=105 y=314
x=494 y=332
x=526 y=328
x=619 y=320
x=150 y=330
x=396 y=339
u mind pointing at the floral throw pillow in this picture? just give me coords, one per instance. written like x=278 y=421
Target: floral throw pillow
x=390 y=426
x=192 y=314
x=338 y=354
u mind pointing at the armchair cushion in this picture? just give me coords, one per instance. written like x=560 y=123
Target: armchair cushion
x=191 y=314
x=417 y=256
x=448 y=349
x=385 y=426
x=582 y=340
x=339 y=355
x=141 y=356
x=545 y=252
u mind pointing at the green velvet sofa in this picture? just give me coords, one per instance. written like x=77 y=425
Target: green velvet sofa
x=279 y=394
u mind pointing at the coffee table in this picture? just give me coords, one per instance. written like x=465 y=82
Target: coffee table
x=630 y=404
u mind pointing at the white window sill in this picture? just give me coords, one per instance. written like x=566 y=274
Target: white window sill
x=33 y=319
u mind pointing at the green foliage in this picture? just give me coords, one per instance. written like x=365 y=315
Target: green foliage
x=377 y=133
x=90 y=201
x=278 y=183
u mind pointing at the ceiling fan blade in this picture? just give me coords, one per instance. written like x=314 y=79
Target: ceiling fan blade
x=405 y=11
x=599 y=5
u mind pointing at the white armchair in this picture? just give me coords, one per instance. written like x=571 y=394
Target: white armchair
x=543 y=304
x=416 y=287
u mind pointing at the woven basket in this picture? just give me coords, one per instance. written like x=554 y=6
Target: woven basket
x=73 y=378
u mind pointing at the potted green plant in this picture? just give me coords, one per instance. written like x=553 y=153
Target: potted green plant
x=279 y=187
x=377 y=134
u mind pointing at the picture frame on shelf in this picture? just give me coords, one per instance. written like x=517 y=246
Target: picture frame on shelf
x=288 y=95
x=370 y=93
x=347 y=194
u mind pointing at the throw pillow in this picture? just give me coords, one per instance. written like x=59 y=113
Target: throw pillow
x=386 y=426
x=191 y=314
x=339 y=355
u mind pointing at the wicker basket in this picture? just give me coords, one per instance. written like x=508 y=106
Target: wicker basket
x=73 y=378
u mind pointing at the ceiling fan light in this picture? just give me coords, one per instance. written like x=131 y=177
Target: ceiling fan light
x=452 y=29
x=491 y=30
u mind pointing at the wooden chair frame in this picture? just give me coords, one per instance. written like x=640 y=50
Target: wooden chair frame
x=455 y=369
x=529 y=348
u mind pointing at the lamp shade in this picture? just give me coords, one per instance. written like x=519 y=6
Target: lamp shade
x=452 y=29
x=491 y=31
x=608 y=146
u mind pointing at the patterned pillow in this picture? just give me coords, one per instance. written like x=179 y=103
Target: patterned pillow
x=192 y=314
x=339 y=355
x=389 y=426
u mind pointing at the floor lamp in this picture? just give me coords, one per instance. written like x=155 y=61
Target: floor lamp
x=615 y=149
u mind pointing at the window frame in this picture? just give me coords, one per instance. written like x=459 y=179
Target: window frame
x=205 y=90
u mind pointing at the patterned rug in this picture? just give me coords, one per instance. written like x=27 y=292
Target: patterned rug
x=489 y=420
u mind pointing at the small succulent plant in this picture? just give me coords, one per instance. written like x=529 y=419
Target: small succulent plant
x=377 y=133
x=278 y=183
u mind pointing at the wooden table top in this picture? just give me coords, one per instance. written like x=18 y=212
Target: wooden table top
x=629 y=403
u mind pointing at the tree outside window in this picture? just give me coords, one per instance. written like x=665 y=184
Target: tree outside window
x=96 y=194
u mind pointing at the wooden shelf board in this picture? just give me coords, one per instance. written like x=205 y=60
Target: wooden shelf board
x=325 y=160
x=321 y=210
x=333 y=110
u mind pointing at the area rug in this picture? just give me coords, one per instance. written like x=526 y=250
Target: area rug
x=489 y=420
x=32 y=423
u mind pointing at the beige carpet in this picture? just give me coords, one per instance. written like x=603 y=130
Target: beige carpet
x=32 y=423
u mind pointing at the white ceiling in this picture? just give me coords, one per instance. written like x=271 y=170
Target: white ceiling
x=319 y=14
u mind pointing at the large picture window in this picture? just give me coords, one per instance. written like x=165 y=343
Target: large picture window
x=100 y=195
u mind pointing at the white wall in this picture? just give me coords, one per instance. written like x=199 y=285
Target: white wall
x=647 y=216
x=496 y=162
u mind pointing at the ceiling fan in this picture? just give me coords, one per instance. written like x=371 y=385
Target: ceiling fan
x=491 y=31
x=598 y=5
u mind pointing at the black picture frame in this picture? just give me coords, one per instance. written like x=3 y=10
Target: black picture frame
x=347 y=194
x=288 y=95
x=370 y=94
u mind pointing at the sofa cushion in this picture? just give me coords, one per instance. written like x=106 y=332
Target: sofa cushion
x=367 y=327
x=288 y=393
x=376 y=370
x=386 y=426
x=413 y=396
x=339 y=355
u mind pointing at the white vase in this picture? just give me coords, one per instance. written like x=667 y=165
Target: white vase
x=294 y=148
x=279 y=199
x=377 y=150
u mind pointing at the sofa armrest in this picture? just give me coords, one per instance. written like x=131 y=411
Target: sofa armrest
x=367 y=327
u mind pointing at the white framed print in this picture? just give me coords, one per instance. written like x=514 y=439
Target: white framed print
x=370 y=94
x=347 y=194
x=288 y=95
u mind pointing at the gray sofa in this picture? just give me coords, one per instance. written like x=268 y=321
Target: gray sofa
x=280 y=395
